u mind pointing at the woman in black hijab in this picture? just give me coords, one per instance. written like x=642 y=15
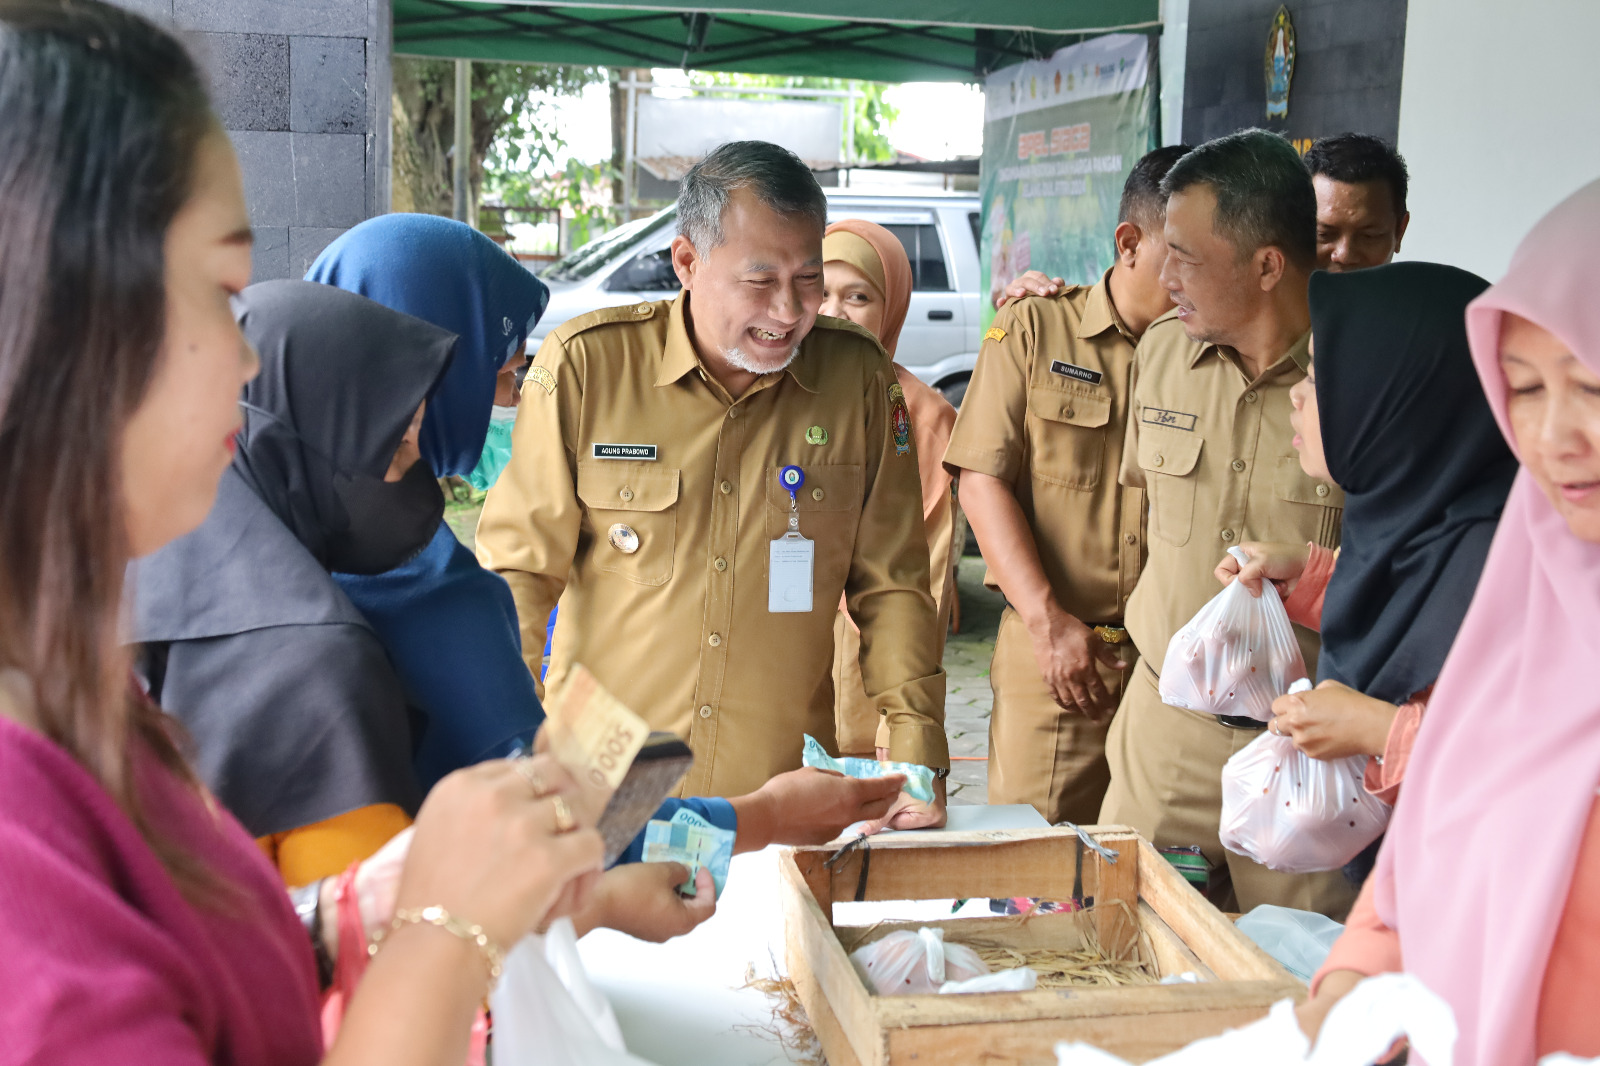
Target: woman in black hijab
x=297 y=717
x=1393 y=412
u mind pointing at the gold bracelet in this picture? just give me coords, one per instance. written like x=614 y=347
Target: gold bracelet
x=442 y=918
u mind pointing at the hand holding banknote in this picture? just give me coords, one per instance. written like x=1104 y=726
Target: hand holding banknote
x=642 y=900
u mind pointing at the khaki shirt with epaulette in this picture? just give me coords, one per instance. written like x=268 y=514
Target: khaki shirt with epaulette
x=1212 y=449
x=1045 y=411
x=645 y=498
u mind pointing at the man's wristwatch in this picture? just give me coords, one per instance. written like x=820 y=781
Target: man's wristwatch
x=940 y=773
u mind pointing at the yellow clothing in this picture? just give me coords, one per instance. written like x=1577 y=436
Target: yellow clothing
x=1213 y=450
x=645 y=498
x=1046 y=412
x=326 y=848
x=859 y=728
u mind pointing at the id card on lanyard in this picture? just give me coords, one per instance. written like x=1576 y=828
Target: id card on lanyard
x=791 y=559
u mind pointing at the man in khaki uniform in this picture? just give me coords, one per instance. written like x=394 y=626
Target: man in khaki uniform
x=1209 y=442
x=644 y=492
x=1037 y=446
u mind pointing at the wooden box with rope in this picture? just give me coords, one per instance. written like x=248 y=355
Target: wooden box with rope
x=1133 y=920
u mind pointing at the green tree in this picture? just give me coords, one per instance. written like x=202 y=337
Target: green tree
x=873 y=115
x=511 y=131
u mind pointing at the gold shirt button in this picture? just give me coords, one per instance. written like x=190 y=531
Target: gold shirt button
x=733 y=412
x=726 y=487
x=816 y=493
x=1238 y=464
x=721 y=564
x=1070 y=413
x=714 y=640
x=1161 y=460
x=1322 y=490
x=1227 y=534
x=642 y=309
x=1131 y=538
x=626 y=494
x=1251 y=397
x=705 y=712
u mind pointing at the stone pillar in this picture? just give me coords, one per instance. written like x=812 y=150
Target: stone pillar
x=302 y=87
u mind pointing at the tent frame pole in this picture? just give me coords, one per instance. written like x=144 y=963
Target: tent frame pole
x=462 y=151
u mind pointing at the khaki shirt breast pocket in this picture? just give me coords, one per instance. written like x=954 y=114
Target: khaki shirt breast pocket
x=830 y=510
x=626 y=498
x=1168 y=458
x=1321 y=503
x=1069 y=431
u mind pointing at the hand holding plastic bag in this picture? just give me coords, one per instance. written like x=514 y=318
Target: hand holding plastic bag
x=1235 y=656
x=1296 y=814
x=906 y=963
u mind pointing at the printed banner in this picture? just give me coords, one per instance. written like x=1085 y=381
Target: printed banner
x=1059 y=138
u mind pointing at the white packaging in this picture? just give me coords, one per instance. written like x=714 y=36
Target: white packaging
x=1296 y=814
x=1358 y=1031
x=906 y=963
x=1235 y=656
x=1020 y=979
x=548 y=1013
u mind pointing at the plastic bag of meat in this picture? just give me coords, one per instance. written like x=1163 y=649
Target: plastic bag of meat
x=907 y=963
x=1290 y=812
x=1235 y=656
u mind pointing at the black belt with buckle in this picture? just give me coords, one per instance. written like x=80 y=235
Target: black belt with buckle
x=1236 y=721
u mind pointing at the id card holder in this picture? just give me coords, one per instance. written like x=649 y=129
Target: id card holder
x=791 y=558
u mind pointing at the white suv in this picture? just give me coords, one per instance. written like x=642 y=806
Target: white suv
x=939 y=342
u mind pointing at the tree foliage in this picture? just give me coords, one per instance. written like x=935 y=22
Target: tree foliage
x=510 y=107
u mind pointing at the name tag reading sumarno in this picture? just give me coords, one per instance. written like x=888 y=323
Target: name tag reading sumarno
x=647 y=452
x=1073 y=370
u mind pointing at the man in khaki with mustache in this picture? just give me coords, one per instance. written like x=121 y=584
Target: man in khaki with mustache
x=699 y=480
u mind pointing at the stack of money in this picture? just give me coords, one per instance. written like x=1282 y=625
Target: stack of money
x=691 y=840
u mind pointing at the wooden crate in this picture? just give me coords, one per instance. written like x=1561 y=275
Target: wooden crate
x=1179 y=929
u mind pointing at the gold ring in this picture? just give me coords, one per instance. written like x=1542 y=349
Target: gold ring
x=530 y=774
x=565 y=823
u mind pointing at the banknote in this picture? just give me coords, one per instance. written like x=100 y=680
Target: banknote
x=591 y=733
x=690 y=839
x=919 y=779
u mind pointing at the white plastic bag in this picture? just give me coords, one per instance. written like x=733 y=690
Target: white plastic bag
x=1296 y=814
x=906 y=963
x=1019 y=979
x=1300 y=940
x=548 y=1013
x=1235 y=656
x=1359 y=1029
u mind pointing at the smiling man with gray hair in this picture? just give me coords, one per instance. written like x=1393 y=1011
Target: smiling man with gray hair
x=699 y=480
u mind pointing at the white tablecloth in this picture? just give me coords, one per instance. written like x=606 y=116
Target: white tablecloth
x=681 y=1003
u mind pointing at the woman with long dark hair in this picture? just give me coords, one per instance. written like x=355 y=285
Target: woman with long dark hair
x=138 y=921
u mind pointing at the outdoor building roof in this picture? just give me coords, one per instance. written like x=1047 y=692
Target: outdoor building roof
x=874 y=40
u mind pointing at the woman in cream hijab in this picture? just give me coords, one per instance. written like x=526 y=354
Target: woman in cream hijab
x=867 y=279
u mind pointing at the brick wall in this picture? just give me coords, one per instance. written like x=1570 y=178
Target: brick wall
x=302 y=87
x=1346 y=77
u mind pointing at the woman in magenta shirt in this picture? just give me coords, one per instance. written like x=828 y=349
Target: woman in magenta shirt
x=138 y=923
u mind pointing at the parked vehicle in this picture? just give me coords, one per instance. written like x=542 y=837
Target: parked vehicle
x=940 y=232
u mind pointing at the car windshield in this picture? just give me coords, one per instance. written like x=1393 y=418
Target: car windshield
x=579 y=264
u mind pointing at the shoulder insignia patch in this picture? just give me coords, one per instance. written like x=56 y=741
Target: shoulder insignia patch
x=541 y=377
x=899 y=419
x=995 y=334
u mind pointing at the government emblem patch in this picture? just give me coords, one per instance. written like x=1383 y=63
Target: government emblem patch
x=899 y=419
x=542 y=378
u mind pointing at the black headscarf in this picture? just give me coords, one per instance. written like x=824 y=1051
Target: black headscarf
x=296 y=714
x=1409 y=437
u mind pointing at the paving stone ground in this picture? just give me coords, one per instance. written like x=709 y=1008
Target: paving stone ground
x=966 y=665
x=969 y=698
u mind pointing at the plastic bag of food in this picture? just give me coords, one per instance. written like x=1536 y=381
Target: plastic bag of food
x=1235 y=656
x=1290 y=812
x=1300 y=940
x=906 y=963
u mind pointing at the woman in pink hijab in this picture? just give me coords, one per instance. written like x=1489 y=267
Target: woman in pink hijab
x=1488 y=886
x=867 y=279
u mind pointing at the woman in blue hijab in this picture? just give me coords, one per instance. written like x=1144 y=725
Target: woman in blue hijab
x=449 y=625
